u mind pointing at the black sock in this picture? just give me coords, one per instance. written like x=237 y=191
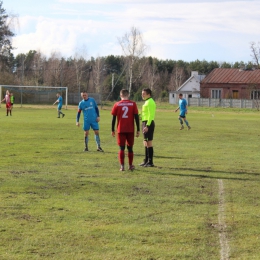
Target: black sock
x=150 y=154
x=146 y=154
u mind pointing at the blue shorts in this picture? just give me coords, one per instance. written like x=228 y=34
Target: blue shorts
x=94 y=125
x=59 y=107
x=183 y=114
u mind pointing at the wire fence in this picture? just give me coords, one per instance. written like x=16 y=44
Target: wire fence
x=43 y=95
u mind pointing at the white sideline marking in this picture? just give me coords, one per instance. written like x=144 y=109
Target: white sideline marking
x=224 y=248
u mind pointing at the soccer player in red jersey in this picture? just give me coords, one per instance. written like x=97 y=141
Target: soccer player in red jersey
x=125 y=112
x=7 y=102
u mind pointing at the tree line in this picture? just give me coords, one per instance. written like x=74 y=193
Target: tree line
x=104 y=75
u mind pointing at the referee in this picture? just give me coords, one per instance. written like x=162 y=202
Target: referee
x=148 y=126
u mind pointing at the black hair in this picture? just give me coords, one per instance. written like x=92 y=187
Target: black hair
x=148 y=91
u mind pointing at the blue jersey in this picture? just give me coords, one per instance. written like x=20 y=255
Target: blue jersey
x=182 y=106
x=60 y=99
x=90 y=110
x=60 y=102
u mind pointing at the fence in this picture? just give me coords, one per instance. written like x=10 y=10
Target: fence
x=43 y=95
x=212 y=102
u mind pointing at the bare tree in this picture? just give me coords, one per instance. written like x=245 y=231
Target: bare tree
x=37 y=69
x=98 y=70
x=40 y=58
x=177 y=78
x=255 y=49
x=162 y=82
x=79 y=63
x=153 y=75
x=53 y=70
x=134 y=48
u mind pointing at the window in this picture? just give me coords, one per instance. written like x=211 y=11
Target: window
x=235 y=94
x=190 y=96
x=216 y=93
x=255 y=94
x=173 y=95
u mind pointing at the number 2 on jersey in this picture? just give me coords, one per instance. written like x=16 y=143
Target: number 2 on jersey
x=125 y=109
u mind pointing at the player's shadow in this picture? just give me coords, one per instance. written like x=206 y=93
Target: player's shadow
x=160 y=157
x=207 y=173
x=168 y=157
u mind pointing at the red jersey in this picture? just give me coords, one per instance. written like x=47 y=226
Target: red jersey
x=125 y=110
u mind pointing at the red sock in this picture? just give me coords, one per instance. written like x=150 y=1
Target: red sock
x=130 y=157
x=121 y=157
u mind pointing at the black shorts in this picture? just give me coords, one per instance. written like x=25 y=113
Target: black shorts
x=149 y=135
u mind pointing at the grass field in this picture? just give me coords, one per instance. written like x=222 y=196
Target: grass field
x=201 y=201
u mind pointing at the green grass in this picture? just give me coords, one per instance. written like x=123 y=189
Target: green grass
x=57 y=202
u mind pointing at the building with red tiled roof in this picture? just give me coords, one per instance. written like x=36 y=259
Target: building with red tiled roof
x=231 y=83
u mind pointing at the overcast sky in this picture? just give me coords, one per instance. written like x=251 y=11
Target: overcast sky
x=217 y=30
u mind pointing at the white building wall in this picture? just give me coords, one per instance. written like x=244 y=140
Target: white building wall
x=173 y=98
x=191 y=85
x=189 y=89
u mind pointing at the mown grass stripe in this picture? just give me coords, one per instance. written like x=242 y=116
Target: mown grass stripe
x=224 y=246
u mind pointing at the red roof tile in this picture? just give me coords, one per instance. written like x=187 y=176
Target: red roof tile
x=235 y=76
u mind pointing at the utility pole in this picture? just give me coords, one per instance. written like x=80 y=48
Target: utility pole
x=61 y=72
x=22 y=69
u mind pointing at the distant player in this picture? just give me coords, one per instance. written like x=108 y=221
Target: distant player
x=60 y=103
x=12 y=102
x=91 y=118
x=125 y=112
x=7 y=103
x=183 y=112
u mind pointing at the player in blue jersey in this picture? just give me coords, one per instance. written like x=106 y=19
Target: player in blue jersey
x=60 y=102
x=183 y=111
x=91 y=118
